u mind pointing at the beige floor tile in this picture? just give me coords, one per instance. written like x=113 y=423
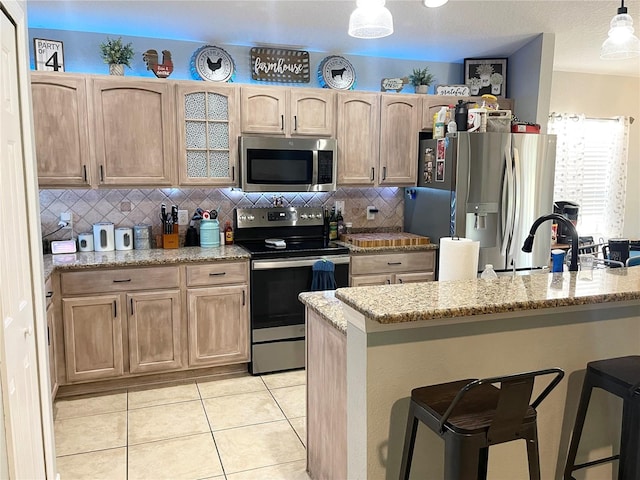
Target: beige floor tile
x=285 y=379
x=148 y=397
x=300 y=426
x=240 y=410
x=285 y=471
x=257 y=446
x=166 y=421
x=292 y=400
x=88 y=434
x=103 y=464
x=230 y=386
x=89 y=405
x=185 y=458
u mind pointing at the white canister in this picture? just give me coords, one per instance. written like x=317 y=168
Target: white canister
x=477 y=120
x=85 y=242
x=103 y=238
x=124 y=238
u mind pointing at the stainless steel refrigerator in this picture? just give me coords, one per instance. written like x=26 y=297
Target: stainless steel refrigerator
x=488 y=187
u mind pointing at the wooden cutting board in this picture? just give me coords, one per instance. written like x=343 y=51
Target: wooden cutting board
x=384 y=239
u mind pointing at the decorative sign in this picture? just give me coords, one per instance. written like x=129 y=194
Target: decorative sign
x=279 y=65
x=212 y=64
x=49 y=55
x=486 y=75
x=337 y=73
x=397 y=84
x=453 y=90
x=160 y=70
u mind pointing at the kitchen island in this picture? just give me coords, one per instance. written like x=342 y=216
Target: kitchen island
x=369 y=346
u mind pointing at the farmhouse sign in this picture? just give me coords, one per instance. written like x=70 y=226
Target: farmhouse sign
x=279 y=65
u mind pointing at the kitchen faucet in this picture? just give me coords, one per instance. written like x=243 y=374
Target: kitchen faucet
x=528 y=243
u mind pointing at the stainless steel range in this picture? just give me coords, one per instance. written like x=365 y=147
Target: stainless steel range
x=284 y=243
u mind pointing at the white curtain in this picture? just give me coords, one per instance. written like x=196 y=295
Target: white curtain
x=591 y=170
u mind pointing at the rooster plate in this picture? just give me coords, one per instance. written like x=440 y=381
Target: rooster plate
x=212 y=64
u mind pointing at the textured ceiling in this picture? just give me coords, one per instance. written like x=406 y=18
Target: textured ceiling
x=458 y=30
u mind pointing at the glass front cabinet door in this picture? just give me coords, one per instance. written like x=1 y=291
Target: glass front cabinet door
x=208 y=134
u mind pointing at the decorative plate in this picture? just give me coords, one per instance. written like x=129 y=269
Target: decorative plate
x=337 y=73
x=212 y=64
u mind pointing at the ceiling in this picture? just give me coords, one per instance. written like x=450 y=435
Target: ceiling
x=460 y=29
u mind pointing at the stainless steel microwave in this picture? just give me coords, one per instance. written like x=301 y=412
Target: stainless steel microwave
x=277 y=164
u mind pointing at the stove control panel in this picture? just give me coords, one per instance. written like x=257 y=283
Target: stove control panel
x=278 y=217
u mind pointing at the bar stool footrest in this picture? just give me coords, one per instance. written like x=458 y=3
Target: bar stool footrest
x=595 y=462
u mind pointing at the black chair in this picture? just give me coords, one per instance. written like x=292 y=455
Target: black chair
x=620 y=377
x=471 y=415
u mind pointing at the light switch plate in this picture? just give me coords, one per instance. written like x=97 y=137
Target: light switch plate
x=183 y=217
x=371 y=212
x=339 y=204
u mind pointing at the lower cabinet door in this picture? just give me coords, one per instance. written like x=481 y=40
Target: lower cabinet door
x=154 y=331
x=415 y=277
x=51 y=351
x=368 y=280
x=93 y=337
x=218 y=325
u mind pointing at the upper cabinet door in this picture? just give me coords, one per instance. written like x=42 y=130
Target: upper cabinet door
x=208 y=129
x=358 y=138
x=134 y=131
x=60 y=129
x=312 y=113
x=399 y=127
x=264 y=110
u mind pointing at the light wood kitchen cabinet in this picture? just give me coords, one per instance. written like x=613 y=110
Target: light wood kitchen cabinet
x=93 y=337
x=390 y=268
x=218 y=313
x=51 y=331
x=60 y=119
x=288 y=112
x=208 y=129
x=399 y=128
x=133 y=128
x=358 y=135
x=154 y=329
x=431 y=105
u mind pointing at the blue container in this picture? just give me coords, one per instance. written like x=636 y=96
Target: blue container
x=209 y=233
x=557 y=259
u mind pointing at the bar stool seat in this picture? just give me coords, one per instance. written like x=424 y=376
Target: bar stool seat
x=472 y=414
x=620 y=377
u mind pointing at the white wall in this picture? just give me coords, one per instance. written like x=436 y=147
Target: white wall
x=606 y=96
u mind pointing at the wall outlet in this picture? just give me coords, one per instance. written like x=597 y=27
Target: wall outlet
x=183 y=217
x=371 y=212
x=66 y=220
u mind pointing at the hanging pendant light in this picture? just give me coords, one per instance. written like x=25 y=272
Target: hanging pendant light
x=622 y=43
x=371 y=19
x=434 y=3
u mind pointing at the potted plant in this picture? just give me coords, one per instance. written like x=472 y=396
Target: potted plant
x=421 y=79
x=117 y=55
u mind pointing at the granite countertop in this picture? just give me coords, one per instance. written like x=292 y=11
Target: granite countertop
x=327 y=306
x=141 y=258
x=354 y=250
x=460 y=298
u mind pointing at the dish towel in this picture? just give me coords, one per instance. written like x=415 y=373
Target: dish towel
x=323 y=278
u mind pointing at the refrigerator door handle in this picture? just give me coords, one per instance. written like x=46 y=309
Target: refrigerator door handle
x=508 y=227
x=517 y=195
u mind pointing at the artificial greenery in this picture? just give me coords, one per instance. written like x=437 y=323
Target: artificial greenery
x=421 y=77
x=114 y=51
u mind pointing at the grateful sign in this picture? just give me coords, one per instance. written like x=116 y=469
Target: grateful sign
x=453 y=90
x=279 y=65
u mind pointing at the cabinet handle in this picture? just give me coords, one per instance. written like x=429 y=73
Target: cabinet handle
x=394 y=263
x=295 y=123
x=372 y=173
x=122 y=281
x=243 y=297
x=384 y=173
x=115 y=309
x=48 y=336
x=388 y=281
x=233 y=174
x=399 y=280
x=282 y=122
x=101 y=174
x=217 y=274
x=84 y=168
x=49 y=294
x=131 y=300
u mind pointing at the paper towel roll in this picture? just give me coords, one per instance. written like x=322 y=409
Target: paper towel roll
x=458 y=258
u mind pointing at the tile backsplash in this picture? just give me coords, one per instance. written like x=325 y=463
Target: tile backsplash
x=128 y=207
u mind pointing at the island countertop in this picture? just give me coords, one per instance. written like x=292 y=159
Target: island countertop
x=389 y=304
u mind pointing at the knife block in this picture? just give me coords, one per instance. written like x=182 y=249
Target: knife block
x=170 y=240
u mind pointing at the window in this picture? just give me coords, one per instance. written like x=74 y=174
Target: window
x=591 y=170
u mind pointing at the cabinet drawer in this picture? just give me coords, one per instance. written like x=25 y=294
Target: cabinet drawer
x=392 y=263
x=121 y=280
x=216 y=274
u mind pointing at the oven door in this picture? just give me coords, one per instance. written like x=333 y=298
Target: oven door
x=277 y=316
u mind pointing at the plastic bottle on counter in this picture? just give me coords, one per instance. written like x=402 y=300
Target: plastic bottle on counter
x=439 y=126
x=488 y=273
x=228 y=233
x=452 y=126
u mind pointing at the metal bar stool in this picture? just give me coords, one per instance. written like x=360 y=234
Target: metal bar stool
x=471 y=415
x=620 y=377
